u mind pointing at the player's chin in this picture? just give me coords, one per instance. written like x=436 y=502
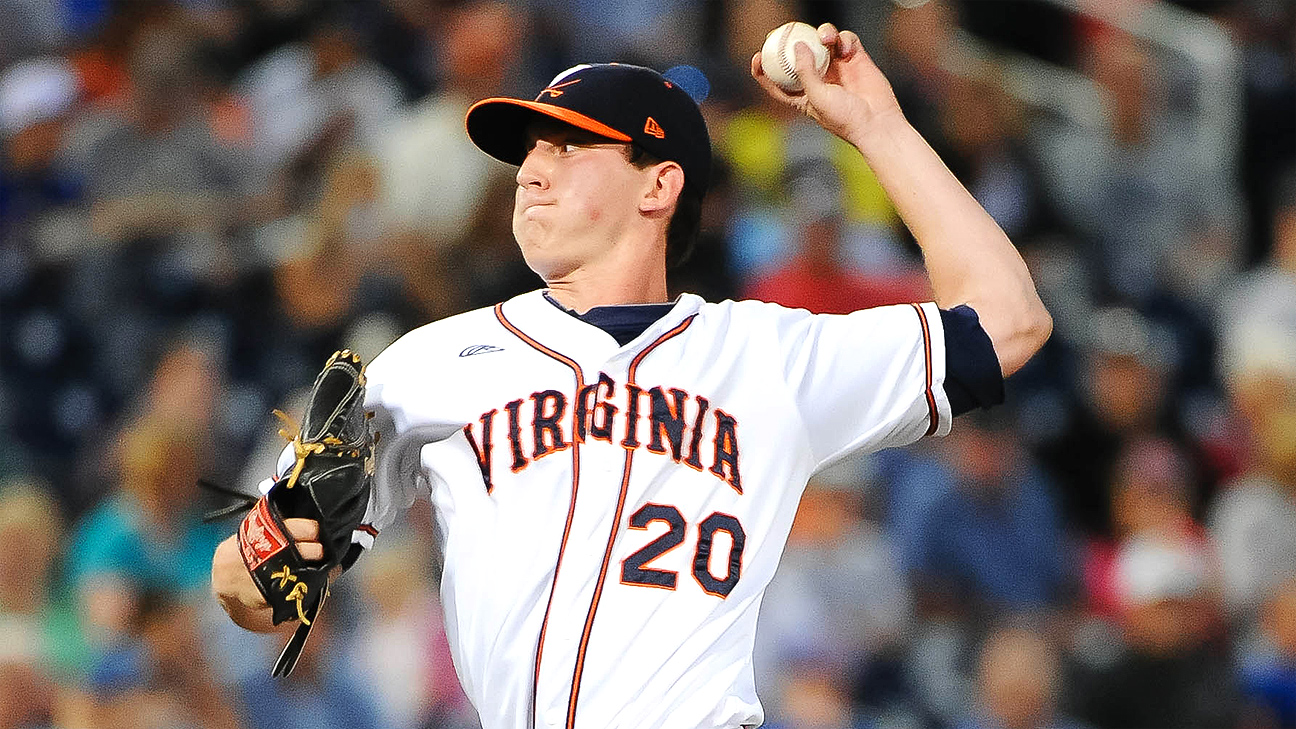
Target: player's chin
x=529 y=231
x=539 y=249
x=549 y=269
x=547 y=263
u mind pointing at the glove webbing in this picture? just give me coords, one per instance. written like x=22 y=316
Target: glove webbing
x=292 y=433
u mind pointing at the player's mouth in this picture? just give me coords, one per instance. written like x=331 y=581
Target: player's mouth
x=529 y=206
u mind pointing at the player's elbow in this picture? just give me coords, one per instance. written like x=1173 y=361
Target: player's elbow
x=1021 y=334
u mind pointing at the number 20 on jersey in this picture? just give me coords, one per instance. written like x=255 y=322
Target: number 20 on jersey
x=635 y=569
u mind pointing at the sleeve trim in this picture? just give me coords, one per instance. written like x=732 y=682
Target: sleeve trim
x=364 y=537
x=932 y=410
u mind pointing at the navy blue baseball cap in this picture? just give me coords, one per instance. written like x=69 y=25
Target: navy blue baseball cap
x=618 y=101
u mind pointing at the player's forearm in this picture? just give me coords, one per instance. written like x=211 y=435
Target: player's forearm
x=968 y=257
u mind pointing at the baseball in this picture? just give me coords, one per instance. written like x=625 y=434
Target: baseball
x=778 y=59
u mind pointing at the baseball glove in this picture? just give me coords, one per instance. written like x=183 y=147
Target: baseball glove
x=329 y=483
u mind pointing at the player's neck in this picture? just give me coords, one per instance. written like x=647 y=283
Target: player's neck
x=617 y=282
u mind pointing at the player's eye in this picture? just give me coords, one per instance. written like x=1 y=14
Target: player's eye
x=569 y=147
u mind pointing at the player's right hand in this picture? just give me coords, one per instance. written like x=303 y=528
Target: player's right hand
x=850 y=99
x=232 y=583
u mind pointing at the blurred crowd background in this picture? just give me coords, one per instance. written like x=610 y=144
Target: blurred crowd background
x=201 y=199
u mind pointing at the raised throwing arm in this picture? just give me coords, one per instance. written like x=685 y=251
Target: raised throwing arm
x=968 y=257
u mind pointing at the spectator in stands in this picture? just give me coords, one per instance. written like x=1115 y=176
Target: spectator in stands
x=434 y=180
x=403 y=655
x=839 y=599
x=819 y=274
x=1268 y=667
x=1151 y=494
x=322 y=692
x=1266 y=35
x=816 y=696
x=147 y=536
x=989 y=536
x=786 y=173
x=320 y=265
x=38 y=99
x=1254 y=517
x=1142 y=188
x=157 y=676
x=321 y=94
x=41 y=653
x=486 y=261
x=1172 y=671
x=35 y=617
x=1263 y=300
x=159 y=169
x=983 y=144
x=919 y=41
x=1018 y=681
x=1126 y=372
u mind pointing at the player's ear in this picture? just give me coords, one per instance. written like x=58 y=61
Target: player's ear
x=665 y=184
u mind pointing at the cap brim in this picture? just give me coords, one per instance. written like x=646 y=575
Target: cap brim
x=498 y=126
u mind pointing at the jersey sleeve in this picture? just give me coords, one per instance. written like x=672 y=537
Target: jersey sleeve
x=399 y=436
x=867 y=380
x=396 y=481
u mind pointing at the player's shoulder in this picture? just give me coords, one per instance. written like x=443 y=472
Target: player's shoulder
x=755 y=317
x=744 y=309
x=756 y=309
x=748 y=322
x=447 y=340
x=753 y=312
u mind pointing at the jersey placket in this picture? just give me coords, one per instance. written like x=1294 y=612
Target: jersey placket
x=546 y=637
x=608 y=468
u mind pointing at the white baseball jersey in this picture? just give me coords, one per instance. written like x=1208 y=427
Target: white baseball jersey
x=611 y=515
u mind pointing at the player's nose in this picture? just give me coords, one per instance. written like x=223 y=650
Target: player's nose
x=532 y=172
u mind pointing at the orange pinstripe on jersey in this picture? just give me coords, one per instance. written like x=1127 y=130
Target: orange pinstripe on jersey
x=571 y=507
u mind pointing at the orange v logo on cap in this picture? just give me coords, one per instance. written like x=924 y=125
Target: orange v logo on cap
x=652 y=128
x=556 y=91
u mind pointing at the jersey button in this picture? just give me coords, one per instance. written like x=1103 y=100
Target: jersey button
x=554 y=716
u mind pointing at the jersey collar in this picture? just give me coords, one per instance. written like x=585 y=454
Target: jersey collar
x=553 y=327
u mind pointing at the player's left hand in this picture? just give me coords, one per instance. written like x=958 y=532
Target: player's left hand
x=852 y=96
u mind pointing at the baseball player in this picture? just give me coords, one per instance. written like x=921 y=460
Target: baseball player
x=614 y=474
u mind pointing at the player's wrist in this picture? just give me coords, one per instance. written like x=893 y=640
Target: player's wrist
x=235 y=591
x=879 y=131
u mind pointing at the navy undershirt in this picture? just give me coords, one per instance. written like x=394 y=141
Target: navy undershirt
x=972 y=375
x=973 y=378
x=623 y=322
